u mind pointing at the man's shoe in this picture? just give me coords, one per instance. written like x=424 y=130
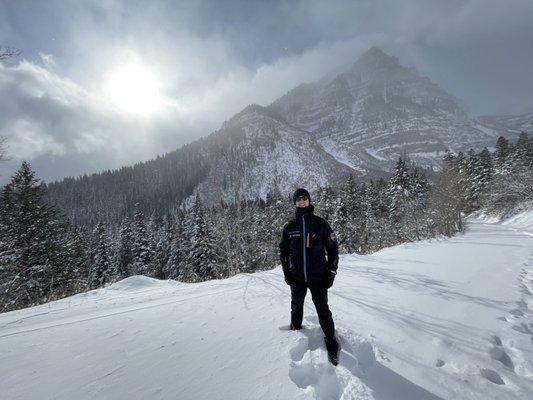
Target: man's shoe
x=295 y=328
x=333 y=348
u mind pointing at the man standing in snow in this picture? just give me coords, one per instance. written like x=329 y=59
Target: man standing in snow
x=304 y=242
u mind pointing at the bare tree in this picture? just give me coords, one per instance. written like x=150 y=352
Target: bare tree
x=3 y=156
x=8 y=52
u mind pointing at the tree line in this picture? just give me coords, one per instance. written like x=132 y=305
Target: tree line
x=44 y=256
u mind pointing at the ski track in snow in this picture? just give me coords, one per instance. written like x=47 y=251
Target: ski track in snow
x=100 y=315
x=438 y=319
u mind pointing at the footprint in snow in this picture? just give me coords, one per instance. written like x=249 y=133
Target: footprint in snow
x=498 y=353
x=522 y=328
x=491 y=376
x=495 y=339
x=311 y=370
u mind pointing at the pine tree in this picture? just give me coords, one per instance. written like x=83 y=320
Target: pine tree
x=177 y=250
x=523 y=151
x=101 y=268
x=473 y=184
x=347 y=215
x=255 y=233
x=512 y=183
x=30 y=242
x=502 y=156
x=201 y=252
x=370 y=234
x=487 y=168
x=141 y=248
x=124 y=256
x=398 y=193
x=414 y=225
x=326 y=202
x=73 y=275
x=448 y=159
x=161 y=237
x=419 y=186
x=277 y=213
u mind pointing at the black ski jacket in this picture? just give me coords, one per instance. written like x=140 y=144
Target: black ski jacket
x=304 y=242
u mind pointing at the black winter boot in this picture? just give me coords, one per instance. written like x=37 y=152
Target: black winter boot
x=333 y=347
x=295 y=328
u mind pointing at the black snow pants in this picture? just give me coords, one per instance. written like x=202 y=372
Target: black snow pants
x=319 y=295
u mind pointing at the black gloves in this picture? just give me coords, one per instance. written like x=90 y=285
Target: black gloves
x=288 y=279
x=329 y=277
x=327 y=280
x=286 y=272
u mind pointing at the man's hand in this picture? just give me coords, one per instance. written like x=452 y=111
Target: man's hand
x=329 y=277
x=288 y=279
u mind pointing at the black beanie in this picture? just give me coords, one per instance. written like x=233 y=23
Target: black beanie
x=300 y=192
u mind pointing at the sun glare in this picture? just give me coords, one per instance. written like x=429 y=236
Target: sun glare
x=135 y=89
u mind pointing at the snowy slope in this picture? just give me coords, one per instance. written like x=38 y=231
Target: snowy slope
x=437 y=319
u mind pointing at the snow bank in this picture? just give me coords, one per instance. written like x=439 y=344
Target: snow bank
x=136 y=282
x=521 y=220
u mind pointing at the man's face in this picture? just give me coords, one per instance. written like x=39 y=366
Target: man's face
x=302 y=201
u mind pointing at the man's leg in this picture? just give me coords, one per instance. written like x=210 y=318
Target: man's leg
x=320 y=299
x=298 y=291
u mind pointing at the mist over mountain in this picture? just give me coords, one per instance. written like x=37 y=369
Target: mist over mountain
x=317 y=134
x=509 y=125
x=378 y=110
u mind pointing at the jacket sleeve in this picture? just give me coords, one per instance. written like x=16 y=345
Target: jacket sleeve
x=332 y=249
x=284 y=250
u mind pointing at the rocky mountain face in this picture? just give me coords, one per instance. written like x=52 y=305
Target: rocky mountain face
x=378 y=110
x=360 y=122
x=259 y=152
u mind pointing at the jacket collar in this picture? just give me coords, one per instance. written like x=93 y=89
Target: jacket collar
x=304 y=210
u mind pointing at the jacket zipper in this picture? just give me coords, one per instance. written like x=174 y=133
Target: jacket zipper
x=303 y=245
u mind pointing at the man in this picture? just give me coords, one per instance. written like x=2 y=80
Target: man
x=304 y=242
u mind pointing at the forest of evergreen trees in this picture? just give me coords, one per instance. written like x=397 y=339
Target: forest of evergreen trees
x=44 y=256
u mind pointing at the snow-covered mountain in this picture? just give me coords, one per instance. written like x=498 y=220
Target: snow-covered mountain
x=260 y=151
x=446 y=318
x=378 y=110
x=358 y=122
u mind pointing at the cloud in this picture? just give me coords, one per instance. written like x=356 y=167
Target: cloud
x=63 y=126
x=47 y=59
x=213 y=58
x=47 y=117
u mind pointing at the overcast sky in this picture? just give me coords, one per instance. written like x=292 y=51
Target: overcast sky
x=66 y=103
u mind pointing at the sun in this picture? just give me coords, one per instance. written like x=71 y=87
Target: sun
x=135 y=89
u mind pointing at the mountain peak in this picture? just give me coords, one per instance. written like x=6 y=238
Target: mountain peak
x=376 y=56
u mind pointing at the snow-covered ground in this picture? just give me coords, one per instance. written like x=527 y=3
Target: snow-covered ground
x=437 y=319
